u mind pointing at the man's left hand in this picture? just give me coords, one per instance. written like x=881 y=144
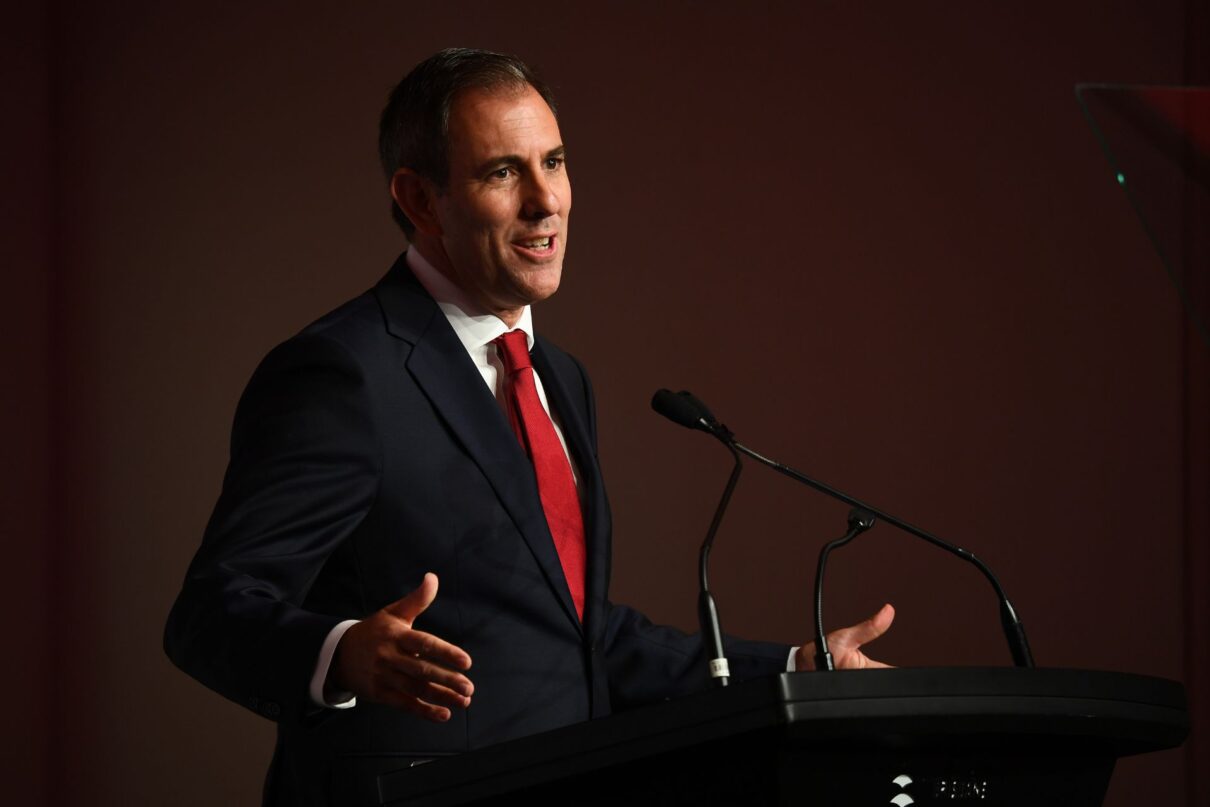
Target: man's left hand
x=845 y=644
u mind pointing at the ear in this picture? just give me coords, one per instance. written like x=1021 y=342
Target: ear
x=416 y=197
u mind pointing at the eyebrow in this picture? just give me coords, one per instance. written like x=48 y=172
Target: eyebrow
x=516 y=159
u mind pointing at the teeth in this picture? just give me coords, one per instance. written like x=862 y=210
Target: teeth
x=537 y=243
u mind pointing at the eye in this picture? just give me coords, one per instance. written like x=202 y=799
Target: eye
x=554 y=163
x=500 y=174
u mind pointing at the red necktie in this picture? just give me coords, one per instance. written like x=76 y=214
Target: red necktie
x=556 y=487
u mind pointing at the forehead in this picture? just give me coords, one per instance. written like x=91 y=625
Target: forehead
x=485 y=123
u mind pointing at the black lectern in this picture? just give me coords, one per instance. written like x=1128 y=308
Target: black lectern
x=996 y=737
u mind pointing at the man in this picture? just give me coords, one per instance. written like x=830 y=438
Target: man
x=403 y=442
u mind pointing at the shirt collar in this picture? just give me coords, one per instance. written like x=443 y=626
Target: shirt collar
x=475 y=328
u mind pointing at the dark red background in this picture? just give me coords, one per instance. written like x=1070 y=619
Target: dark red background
x=878 y=238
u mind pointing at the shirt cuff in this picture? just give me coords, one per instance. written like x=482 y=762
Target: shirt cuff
x=340 y=700
x=791 y=666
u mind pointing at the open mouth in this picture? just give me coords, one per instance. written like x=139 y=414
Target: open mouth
x=538 y=246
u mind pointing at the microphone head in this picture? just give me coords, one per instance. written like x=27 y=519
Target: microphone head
x=701 y=408
x=681 y=408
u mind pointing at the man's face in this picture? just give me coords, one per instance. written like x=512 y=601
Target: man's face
x=503 y=214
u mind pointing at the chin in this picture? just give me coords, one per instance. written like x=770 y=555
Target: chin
x=539 y=284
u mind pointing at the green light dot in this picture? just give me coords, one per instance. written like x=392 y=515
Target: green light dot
x=1121 y=178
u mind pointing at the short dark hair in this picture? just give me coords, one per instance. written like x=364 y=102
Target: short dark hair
x=414 y=129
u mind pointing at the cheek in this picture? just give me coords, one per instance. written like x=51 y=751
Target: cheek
x=482 y=214
x=496 y=209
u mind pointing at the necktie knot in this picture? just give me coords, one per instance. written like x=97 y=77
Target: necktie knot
x=514 y=351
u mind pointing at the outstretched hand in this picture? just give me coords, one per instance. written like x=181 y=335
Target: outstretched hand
x=845 y=644
x=383 y=658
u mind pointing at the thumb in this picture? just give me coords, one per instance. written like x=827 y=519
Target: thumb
x=869 y=630
x=414 y=603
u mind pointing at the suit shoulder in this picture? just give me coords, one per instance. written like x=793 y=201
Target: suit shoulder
x=330 y=353
x=355 y=331
x=373 y=324
x=350 y=323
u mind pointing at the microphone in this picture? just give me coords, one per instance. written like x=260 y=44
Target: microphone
x=683 y=408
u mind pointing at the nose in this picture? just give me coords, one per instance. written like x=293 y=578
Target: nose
x=540 y=200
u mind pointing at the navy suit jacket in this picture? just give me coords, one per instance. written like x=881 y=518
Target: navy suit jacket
x=365 y=452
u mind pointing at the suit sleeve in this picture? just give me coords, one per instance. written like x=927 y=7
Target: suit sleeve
x=303 y=474
x=648 y=663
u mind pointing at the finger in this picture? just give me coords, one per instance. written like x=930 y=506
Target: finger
x=409 y=703
x=427 y=692
x=864 y=632
x=436 y=714
x=413 y=604
x=426 y=645
x=424 y=670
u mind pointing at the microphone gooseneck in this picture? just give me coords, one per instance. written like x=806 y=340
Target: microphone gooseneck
x=859 y=521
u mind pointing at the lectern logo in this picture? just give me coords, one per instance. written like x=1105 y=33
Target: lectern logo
x=902 y=799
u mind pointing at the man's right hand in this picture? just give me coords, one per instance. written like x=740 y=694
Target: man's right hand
x=384 y=659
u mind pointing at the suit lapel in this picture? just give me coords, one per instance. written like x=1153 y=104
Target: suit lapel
x=449 y=379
